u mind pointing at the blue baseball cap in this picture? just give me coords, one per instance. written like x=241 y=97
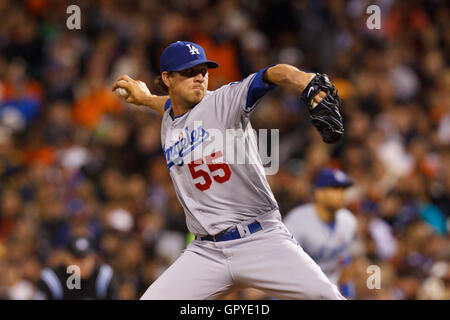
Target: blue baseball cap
x=332 y=178
x=182 y=55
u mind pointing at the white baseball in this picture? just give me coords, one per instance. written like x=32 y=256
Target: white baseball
x=122 y=92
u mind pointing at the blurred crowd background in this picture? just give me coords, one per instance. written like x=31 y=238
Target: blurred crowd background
x=74 y=159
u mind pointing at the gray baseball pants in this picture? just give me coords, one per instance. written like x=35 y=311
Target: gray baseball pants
x=270 y=260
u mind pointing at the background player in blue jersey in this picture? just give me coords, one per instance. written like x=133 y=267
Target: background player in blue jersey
x=325 y=229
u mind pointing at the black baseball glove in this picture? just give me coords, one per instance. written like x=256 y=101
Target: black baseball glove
x=325 y=115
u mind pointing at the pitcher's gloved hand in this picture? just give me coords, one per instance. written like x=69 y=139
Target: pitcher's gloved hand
x=324 y=115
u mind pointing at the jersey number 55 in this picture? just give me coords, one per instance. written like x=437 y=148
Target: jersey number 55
x=213 y=167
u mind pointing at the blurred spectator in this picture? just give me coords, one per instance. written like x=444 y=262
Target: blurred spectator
x=80 y=277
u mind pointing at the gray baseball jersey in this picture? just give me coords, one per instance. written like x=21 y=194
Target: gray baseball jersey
x=327 y=244
x=213 y=160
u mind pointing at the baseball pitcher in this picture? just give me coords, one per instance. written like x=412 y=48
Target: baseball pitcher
x=213 y=161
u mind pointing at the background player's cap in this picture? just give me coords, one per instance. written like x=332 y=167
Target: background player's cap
x=80 y=246
x=183 y=55
x=332 y=178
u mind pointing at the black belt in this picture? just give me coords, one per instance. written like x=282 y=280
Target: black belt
x=233 y=234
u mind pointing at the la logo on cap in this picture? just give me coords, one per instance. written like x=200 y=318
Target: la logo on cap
x=192 y=50
x=340 y=176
